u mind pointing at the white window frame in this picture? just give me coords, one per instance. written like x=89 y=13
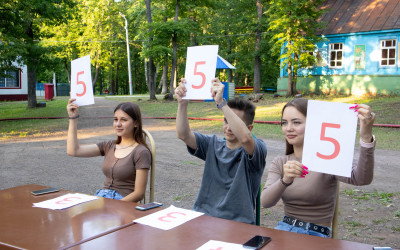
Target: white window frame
x=384 y=46
x=5 y=79
x=336 y=51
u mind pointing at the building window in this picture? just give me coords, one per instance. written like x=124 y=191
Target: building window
x=336 y=55
x=388 y=52
x=13 y=81
x=306 y=59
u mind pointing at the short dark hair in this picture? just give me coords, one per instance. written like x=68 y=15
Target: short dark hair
x=301 y=105
x=247 y=107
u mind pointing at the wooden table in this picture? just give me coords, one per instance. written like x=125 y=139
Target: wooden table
x=197 y=232
x=24 y=226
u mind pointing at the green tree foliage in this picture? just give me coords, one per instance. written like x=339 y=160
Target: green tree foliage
x=48 y=35
x=21 y=23
x=294 y=25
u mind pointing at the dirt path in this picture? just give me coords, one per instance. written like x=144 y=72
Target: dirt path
x=44 y=161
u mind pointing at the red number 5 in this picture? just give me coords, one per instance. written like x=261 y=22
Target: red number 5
x=335 y=142
x=81 y=82
x=203 y=76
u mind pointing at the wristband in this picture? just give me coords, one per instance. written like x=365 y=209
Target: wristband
x=223 y=103
x=286 y=184
x=74 y=117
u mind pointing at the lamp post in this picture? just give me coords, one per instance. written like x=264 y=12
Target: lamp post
x=129 y=55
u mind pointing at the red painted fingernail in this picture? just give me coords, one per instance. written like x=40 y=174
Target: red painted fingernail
x=305 y=172
x=356 y=110
x=303 y=176
x=305 y=167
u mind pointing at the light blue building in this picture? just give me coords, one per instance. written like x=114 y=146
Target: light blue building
x=360 y=54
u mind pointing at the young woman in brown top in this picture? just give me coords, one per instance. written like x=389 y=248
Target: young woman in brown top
x=126 y=160
x=309 y=198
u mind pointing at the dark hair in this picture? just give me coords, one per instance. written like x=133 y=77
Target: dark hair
x=133 y=111
x=301 y=105
x=247 y=107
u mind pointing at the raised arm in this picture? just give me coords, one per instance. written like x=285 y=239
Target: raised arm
x=363 y=172
x=241 y=130
x=73 y=147
x=183 y=130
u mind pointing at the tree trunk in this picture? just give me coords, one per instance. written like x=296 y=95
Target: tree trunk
x=174 y=48
x=165 y=77
x=31 y=88
x=31 y=69
x=257 y=58
x=152 y=67
x=116 y=79
x=111 y=79
x=295 y=69
x=146 y=73
x=101 y=81
x=229 y=51
x=68 y=72
x=156 y=74
x=193 y=36
x=94 y=80
x=290 y=86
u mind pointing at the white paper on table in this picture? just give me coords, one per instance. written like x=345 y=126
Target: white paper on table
x=220 y=245
x=168 y=218
x=330 y=151
x=201 y=64
x=65 y=201
x=81 y=81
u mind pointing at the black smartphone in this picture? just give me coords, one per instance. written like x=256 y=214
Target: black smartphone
x=44 y=191
x=257 y=242
x=148 y=206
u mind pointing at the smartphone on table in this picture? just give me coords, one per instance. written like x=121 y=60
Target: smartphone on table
x=257 y=242
x=44 y=191
x=148 y=206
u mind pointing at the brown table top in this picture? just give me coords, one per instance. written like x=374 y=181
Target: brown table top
x=197 y=232
x=24 y=226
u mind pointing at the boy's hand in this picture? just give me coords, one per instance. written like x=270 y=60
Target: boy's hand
x=217 y=90
x=180 y=91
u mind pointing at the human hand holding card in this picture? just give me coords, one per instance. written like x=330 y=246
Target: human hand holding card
x=81 y=81
x=329 y=138
x=201 y=63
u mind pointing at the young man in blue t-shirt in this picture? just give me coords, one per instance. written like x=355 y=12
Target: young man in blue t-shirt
x=233 y=165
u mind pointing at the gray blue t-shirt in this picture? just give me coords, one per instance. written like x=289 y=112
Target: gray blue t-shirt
x=231 y=178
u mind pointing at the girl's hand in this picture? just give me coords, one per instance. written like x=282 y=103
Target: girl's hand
x=293 y=169
x=367 y=118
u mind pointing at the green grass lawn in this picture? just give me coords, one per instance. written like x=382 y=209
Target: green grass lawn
x=268 y=109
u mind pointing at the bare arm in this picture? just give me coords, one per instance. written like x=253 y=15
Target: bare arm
x=140 y=186
x=183 y=130
x=73 y=147
x=236 y=124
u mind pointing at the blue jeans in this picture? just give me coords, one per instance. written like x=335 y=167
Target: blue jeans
x=108 y=193
x=286 y=227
